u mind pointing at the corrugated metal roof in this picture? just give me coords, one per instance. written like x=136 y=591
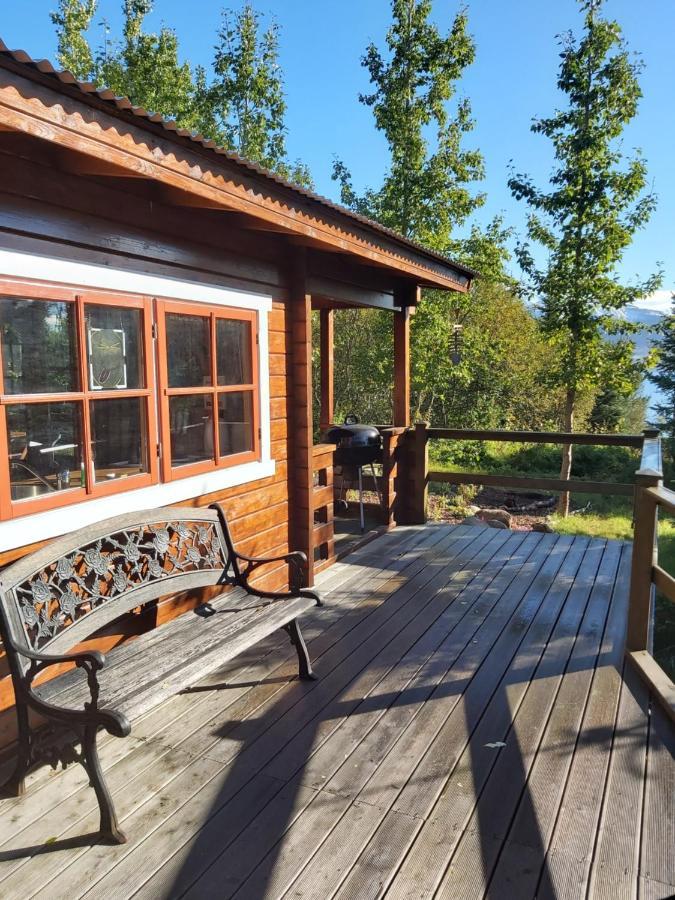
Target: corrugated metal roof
x=124 y=106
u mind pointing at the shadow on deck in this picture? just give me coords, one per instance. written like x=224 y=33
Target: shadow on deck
x=473 y=733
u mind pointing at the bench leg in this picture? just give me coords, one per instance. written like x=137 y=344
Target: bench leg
x=109 y=831
x=293 y=629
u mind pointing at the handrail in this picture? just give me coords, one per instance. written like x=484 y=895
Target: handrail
x=647 y=442
x=539 y=437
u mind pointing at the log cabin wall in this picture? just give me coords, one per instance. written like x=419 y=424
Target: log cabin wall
x=49 y=212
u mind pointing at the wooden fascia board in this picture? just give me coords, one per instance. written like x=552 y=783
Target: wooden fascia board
x=36 y=109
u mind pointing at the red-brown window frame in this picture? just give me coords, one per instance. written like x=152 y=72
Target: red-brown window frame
x=213 y=313
x=20 y=288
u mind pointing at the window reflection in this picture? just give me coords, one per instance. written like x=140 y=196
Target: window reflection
x=188 y=345
x=191 y=424
x=45 y=448
x=235 y=422
x=114 y=347
x=233 y=343
x=38 y=346
x=118 y=438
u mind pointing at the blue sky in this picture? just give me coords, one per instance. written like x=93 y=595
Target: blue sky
x=512 y=80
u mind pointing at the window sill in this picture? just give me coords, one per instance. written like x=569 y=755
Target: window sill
x=40 y=526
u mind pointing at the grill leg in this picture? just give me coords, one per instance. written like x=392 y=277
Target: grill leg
x=293 y=630
x=109 y=831
x=361 y=516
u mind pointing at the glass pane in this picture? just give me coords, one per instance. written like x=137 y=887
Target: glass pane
x=118 y=433
x=114 y=347
x=45 y=448
x=233 y=343
x=39 y=354
x=188 y=350
x=235 y=422
x=191 y=424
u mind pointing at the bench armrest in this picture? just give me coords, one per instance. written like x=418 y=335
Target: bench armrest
x=297 y=561
x=92 y=661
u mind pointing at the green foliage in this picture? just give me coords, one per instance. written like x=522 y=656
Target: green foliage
x=586 y=220
x=499 y=380
x=424 y=194
x=248 y=92
x=72 y=19
x=664 y=378
x=242 y=108
x=613 y=411
x=146 y=68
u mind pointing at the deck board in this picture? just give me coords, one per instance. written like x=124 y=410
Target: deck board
x=435 y=643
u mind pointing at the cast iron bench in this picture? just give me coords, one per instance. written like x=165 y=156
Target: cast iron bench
x=60 y=595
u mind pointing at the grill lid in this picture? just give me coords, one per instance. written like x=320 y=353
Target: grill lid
x=355 y=435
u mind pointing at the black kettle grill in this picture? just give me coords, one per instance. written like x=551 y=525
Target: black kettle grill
x=357 y=446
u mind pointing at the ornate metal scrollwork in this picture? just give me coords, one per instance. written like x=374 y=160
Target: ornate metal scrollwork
x=70 y=588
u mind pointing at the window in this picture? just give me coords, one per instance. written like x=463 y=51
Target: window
x=208 y=372
x=79 y=404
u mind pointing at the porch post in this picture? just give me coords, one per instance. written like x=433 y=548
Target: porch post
x=327 y=375
x=301 y=506
x=404 y=296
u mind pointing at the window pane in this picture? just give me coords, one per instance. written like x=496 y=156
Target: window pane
x=188 y=350
x=114 y=347
x=45 y=448
x=119 y=438
x=235 y=422
x=38 y=346
x=191 y=424
x=233 y=341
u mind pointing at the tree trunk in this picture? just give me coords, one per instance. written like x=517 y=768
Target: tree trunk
x=566 y=466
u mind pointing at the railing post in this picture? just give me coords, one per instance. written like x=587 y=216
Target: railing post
x=645 y=534
x=420 y=473
x=638 y=634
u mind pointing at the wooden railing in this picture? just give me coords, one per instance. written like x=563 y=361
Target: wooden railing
x=323 y=543
x=571 y=485
x=647 y=575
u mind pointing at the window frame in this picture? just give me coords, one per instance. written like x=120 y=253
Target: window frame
x=80 y=297
x=213 y=312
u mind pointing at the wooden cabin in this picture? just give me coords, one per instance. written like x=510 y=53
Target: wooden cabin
x=489 y=719
x=156 y=315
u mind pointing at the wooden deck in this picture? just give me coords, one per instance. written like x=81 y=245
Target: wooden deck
x=473 y=733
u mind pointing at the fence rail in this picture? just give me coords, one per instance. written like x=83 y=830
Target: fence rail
x=525 y=482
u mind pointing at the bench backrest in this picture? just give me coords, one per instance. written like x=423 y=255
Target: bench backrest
x=62 y=593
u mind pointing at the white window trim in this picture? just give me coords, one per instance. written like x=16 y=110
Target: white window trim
x=43 y=525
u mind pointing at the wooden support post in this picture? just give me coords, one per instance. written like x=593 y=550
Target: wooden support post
x=638 y=634
x=301 y=505
x=392 y=446
x=420 y=473
x=402 y=367
x=327 y=376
